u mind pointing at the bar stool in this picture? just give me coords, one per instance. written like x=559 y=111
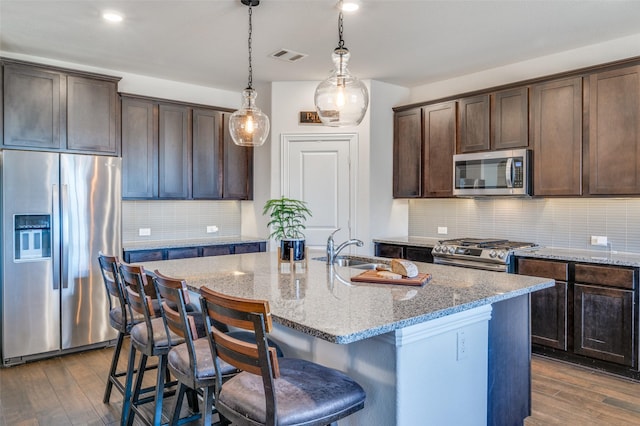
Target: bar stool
x=191 y=362
x=271 y=390
x=150 y=338
x=119 y=318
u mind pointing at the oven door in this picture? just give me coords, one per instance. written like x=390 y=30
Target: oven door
x=492 y=173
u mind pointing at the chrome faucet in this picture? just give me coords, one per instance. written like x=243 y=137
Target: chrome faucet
x=332 y=251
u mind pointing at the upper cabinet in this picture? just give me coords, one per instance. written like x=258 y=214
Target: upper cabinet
x=474 y=124
x=584 y=128
x=207 y=154
x=238 y=167
x=51 y=109
x=510 y=119
x=407 y=153
x=556 y=125
x=181 y=151
x=494 y=121
x=424 y=144
x=439 y=147
x=614 y=132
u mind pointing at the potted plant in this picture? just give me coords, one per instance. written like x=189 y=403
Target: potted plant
x=287 y=222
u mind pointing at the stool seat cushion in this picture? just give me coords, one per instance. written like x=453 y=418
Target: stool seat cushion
x=140 y=338
x=178 y=360
x=116 y=320
x=305 y=392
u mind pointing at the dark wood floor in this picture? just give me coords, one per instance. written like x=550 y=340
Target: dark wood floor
x=68 y=391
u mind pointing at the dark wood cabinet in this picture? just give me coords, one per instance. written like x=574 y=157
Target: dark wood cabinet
x=91 y=115
x=510 y=119
x=407 y=154
x=399 y=251
x=237 y=166
x=143 y=256
x=439 y=146
x=34 y=107
x=182 y=253
x=557 y=137
x=604 y=313
x=614 y=132
x=46 y=108
x=139 y=149
x=181 y=151
x=494 y=121
x=474 y=124
x=149 y=255
x=207 y=154
x=217 y=250
x=549 y=307
x=174 y=152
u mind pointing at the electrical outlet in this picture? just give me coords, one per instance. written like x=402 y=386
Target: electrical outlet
x=144 y=232
x=212 y=229
x=442 y=230
x=599 y=240
x=462 y=346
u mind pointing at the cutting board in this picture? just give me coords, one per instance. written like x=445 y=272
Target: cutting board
x=371 y=277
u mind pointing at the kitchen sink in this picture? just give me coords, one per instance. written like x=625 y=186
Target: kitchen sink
x=354 y=262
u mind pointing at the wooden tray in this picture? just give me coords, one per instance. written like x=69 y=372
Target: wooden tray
x=371 y=277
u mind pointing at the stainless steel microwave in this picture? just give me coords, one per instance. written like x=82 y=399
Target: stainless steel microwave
x=506 y=172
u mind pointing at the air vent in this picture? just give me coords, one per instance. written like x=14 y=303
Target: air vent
x=288 y=55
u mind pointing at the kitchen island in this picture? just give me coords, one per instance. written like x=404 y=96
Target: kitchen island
x=421 y=353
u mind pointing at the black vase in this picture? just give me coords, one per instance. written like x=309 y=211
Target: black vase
x=292 y=243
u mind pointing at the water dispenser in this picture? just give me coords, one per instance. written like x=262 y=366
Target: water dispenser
x=32 y=236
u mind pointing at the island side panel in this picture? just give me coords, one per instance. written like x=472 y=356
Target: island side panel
x=509 y=393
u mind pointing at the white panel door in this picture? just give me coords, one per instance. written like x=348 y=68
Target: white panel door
x=318 y=171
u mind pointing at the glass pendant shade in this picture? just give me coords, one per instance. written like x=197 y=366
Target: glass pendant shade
x=249 y=126
x=341 y=99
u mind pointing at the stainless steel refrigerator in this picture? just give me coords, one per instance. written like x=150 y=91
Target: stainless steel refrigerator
x=58 y=212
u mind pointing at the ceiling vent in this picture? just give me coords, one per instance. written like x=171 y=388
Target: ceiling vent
x=288 y=55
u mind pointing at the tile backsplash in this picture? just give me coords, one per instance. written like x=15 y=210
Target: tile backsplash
x=550 y=222
x=179 y=220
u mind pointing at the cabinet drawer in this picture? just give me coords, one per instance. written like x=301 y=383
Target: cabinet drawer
x=544 y=268
x=389 y=250
x=143 y=256
x=182 y=253
x=606 y=276
x=247 y=248
x=419 y=254
x=216 y=250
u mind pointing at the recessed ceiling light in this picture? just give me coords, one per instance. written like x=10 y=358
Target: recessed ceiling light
x=112 y=16
x=350 y=5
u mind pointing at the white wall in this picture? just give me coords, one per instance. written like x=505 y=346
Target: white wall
x=376 y=212
x=595 y=54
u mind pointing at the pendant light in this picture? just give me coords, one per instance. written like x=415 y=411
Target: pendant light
x=341 y=99
x=249 y=126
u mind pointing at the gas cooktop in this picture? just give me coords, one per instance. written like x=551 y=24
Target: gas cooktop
x=480 y=253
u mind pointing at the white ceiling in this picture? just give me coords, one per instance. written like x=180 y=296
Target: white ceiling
x=404 y=42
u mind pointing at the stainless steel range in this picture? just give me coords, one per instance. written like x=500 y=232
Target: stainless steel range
x=479 y=253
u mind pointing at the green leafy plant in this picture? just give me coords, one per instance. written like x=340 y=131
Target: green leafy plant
x=288 y=217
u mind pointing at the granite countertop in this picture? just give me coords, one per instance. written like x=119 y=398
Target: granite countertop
x=604 y=257
x=192 y=242
x=321 y=301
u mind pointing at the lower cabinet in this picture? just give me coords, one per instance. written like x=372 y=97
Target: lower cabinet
x=414 y=253
x=604 y=313
x=589 y=316
x=549 y=307
x=150 y=255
